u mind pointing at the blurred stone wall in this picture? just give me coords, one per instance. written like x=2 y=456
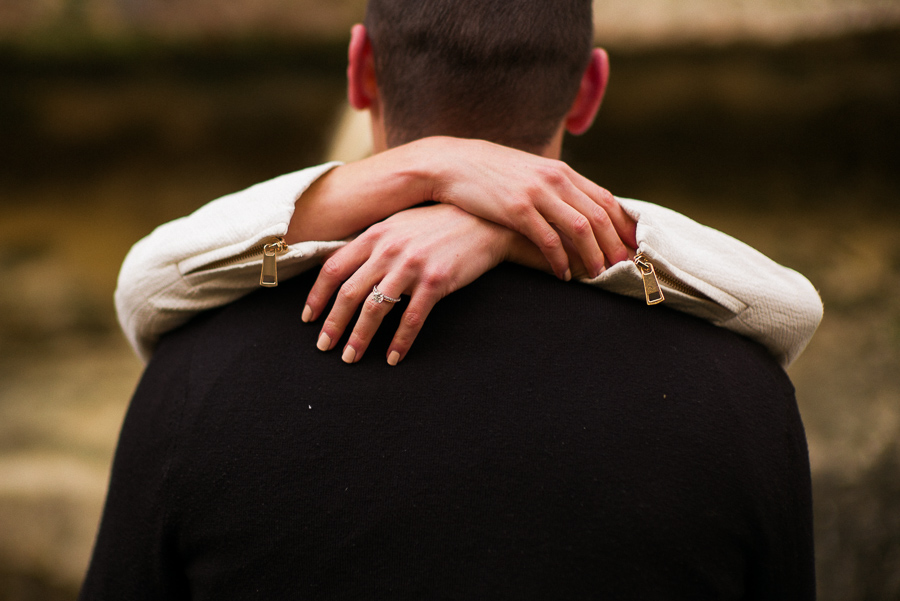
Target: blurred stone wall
x=622 y=23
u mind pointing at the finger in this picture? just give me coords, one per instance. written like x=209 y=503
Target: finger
x=579 y=230
x=602 y=229
x=371 y=316
x=608 y=237
x=578 y=268
x=623 y=223
x=534 y=226
x=590 y=226
x=353 y=292
x=339 y=266
x=420 y=305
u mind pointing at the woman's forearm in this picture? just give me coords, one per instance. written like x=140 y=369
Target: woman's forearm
x=351 y=197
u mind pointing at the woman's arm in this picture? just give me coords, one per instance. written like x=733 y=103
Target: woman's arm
x=207 y=259
x=198 y=262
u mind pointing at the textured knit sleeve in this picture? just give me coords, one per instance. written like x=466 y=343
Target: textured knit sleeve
x=200 y=261
x=709 y=274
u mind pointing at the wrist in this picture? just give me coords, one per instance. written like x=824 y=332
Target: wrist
x=436 y=164
x=353 y=196
x=411 y=171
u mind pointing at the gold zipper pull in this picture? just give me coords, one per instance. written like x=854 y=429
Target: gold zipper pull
x=652 y=290
x=269 y=275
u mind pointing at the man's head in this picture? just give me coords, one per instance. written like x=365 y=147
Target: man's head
x=515 y=72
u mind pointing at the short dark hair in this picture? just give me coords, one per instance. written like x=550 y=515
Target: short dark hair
x=501 y=70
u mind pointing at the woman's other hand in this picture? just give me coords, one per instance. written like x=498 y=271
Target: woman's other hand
x=422 y=253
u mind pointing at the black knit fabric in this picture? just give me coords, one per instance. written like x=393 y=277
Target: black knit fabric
x=542 y=440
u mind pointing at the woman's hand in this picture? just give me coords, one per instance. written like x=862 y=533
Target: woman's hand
x=425 y=253
x=543 y=199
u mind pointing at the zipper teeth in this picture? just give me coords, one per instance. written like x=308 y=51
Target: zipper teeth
x=250 y=253
x=674 y=284
x=670 y=282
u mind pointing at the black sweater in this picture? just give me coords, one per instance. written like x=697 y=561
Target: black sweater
x=542 y=440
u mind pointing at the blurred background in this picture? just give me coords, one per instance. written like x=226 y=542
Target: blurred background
x=777 y=121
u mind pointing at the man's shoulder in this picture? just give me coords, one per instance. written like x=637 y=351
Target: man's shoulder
x=510 y=319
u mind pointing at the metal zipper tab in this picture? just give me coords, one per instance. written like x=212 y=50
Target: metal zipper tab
x=268 y=277
x=652 y=290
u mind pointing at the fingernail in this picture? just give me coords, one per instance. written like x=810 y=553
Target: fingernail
x=307 y=314
x=567 y=275
x=393 y=358
x=349 y=354
x=324 y=342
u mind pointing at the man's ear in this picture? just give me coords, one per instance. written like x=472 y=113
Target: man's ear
x=362 y=90
x=590 y=94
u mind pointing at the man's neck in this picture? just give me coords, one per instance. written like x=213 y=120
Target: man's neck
x=553 y=149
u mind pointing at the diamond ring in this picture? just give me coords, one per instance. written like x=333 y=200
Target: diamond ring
x=379 y=298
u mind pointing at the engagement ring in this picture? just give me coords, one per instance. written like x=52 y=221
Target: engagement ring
x=379 y=298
